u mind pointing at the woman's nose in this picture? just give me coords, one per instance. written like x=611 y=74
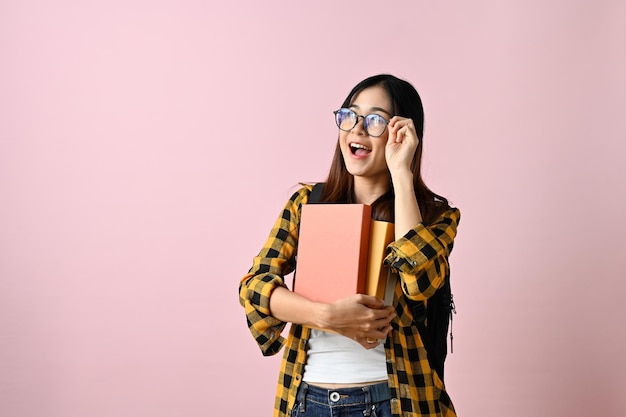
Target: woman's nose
x=359 y=127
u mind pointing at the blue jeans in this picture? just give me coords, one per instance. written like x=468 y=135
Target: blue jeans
x=367 y=401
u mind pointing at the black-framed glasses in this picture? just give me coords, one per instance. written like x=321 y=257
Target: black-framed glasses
x=374 y=124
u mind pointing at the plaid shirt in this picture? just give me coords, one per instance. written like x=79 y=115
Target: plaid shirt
x=420 y=258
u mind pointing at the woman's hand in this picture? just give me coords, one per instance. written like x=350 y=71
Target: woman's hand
x=363 y=318
x=401 y=144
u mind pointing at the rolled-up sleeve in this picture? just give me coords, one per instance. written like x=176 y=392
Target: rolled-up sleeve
x=275 y=260
x=421 y=256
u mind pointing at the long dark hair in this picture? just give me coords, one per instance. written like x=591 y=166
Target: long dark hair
x=405 y=102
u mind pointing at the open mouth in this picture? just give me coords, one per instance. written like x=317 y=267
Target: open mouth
x=359 y=150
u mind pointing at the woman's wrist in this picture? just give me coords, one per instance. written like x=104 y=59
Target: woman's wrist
x=402 y=177
x=407 y=212
x=322 y=316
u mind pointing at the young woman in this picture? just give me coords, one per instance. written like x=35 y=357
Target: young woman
x=358 y=355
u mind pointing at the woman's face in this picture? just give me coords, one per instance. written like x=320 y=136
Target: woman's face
x=364 y=155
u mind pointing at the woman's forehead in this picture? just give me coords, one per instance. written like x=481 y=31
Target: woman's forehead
x=372 y=99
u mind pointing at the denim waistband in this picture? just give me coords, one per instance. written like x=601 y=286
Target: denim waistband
x=374 y=393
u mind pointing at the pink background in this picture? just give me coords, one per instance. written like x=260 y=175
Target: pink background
x=146 y=148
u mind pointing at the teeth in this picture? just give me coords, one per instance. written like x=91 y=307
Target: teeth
x=359 y=146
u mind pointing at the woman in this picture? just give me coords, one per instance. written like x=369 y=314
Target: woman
x=357 y=353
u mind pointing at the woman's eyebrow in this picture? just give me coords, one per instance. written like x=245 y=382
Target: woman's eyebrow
x=372 y=109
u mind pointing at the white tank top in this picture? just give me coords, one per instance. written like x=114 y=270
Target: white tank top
x=336 y=359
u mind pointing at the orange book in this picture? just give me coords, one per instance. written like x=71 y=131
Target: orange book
x=381 y=235
x=332 y=251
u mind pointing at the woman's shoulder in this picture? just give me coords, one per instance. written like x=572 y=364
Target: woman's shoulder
x=444 y=211
x=306 y=187
x=451 y=215
x=302 y=193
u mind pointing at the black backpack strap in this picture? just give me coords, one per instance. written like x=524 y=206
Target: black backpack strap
x=432 y=321
x=316 y=193
x=419 y=318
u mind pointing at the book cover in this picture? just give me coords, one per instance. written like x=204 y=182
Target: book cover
x=332 y=251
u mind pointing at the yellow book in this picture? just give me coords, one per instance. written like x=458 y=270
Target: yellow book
x=381 y=235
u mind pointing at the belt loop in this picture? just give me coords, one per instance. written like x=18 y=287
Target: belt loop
x=368 y=401
x=301 y=398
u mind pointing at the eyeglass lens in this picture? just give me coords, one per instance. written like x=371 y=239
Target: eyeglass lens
x=373 y=124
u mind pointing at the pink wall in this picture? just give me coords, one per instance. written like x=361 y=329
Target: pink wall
x=147 y=147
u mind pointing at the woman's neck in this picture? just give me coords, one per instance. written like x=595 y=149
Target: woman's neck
x=368 y=190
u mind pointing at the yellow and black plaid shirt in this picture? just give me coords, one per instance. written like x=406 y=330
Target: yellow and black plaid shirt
x=420 y=258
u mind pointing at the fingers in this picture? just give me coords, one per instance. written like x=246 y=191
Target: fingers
x=378 y=309
x=401 y=128
x=380 y=334
x=371 y=338
x=369 y=343
x=371 y=301
x=374 y=338
x=375 y=332
x=363 y=318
